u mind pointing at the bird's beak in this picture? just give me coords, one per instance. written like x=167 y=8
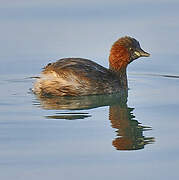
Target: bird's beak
x=141 y=53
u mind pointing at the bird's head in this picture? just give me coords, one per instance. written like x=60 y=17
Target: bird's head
x=124 y=51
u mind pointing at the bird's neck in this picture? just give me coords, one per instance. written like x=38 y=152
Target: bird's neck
x=122 y=76
x=118 y=61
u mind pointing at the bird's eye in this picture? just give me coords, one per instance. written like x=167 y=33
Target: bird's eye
x=131 y=49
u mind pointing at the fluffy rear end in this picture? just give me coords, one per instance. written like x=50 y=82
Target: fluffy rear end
x=53 y=84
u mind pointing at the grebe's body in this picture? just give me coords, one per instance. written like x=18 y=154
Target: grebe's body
x=78 y=76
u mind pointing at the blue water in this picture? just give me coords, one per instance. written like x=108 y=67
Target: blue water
x=106 y=137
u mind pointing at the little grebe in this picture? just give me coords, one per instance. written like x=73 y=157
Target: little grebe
x=78 y=76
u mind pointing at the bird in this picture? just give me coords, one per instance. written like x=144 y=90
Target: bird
x=83 y=77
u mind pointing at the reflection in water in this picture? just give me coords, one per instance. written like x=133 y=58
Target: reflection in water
x=81 y=102
x=69 y=116
x=129 y=131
